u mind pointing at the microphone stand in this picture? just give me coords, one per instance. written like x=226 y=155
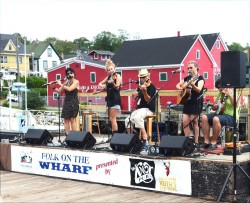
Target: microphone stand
x=130 y=112
x=59 y=118
x=153 y=97
x=167 y=130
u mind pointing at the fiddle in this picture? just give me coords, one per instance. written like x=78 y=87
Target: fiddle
x=53 y=82
x=114 y=76
x=145 y=85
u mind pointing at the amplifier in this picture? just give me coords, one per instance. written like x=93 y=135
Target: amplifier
x=173 y=117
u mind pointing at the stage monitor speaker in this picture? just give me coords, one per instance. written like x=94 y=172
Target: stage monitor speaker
x=80 y=139
x=122 y=142
x=233 y=69
x=38 y=136
x=176 y=146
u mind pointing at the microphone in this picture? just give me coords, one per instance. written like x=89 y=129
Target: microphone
x=176 y=71
x=135 y=81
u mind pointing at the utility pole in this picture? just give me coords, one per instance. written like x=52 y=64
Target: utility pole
x=18 y=70
x=17 y=58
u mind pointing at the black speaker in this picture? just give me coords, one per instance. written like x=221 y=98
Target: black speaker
x=122 y=142
x=233 y=69
x=38 y=136
x=176 y=146
x=80 y=139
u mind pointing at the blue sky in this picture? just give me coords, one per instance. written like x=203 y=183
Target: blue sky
x=71 y=19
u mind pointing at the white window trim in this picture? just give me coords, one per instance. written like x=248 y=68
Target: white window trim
x=163 y=73
x=91 y=78
x=204 y=75
x=45 y=68
x=82 y=65
x=55 y=95
x=198 y=54
x=58 y=77
x=95 y=56
x=218 y=44
x=49 y=52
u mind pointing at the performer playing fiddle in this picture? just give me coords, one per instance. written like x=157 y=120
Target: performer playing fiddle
x=112 y=84
x=144 y=93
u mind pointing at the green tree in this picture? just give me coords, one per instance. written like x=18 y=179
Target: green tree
x=62 y=46
x=104 y=41
x=82 y=44
x=34 y=101
x=123 y=35
x=108 y=41
x=34 y=82
x=235 y=47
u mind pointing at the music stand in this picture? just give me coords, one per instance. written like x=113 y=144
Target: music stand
x=235 y=164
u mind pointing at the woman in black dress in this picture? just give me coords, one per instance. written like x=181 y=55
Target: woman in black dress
x=193 y=83
x=112 y=84
x=71 y=103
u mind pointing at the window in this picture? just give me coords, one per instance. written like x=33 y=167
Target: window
x=49 y=51
x=163 y=76
x=198 y=54
x=205 y=75
x=218 y=44
x=54 y=63
x=82 y=65
x=10 y=47
x=4 y=59
x=45 y=64
x=92 y=77
x=55 y=95
x=104 y=57
x=58 y=76
x=95 y=56
x=20 y=60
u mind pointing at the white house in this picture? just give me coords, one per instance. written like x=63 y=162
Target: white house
x=43 y=57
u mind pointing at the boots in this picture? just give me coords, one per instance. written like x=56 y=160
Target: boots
x=109 y=139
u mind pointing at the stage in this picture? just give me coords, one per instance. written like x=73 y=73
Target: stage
x=199 y=175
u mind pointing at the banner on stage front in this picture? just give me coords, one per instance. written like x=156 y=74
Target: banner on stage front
x=173 y=176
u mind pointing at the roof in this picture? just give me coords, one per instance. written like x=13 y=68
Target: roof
x=149 y=52
x=102 y=52
x=4 y=39
x=39 y=48
x=210 y=39
x=86 y=59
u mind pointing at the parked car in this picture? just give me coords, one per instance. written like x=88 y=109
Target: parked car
x=13 y=97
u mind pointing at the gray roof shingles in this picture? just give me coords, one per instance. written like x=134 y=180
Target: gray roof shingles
x=149 y=52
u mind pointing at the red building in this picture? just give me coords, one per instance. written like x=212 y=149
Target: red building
x=160 y=56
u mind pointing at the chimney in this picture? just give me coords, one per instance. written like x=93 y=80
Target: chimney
x=178 y=33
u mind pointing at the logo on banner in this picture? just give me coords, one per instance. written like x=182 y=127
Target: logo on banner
x=167 y=167
x=26 y=157
x=142 y=173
